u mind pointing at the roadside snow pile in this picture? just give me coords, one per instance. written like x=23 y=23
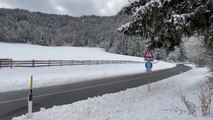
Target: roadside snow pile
x=136 y=103
x=18 y=78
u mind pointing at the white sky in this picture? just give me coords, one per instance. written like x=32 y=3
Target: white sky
x=70 y=7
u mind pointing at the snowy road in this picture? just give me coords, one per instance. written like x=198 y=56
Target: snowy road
x=15 y=103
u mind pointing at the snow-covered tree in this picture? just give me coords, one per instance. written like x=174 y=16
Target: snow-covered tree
x=195 y=49
x=164 y=22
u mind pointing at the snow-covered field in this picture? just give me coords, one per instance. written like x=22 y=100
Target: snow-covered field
x=136 y=103
x=20 y=51
x=18 y=78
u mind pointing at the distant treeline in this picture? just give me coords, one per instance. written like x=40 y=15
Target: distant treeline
x=22 y=26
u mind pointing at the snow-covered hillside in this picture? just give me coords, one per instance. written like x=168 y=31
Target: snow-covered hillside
x=136 y=103
x=29 y=52
x=18 y=78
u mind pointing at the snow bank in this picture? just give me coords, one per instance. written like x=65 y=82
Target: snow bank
x=136 y=103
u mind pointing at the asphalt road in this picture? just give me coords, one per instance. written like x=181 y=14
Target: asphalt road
x=15 y=103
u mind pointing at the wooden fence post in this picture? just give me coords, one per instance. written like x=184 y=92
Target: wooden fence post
x=60 y=62
x=11 y=63
x=33 y=63
x=49 y=63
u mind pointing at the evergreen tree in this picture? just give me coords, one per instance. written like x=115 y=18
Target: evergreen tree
x=164 y=22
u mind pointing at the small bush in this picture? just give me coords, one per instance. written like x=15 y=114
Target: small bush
x=205 y=98
x=191 y=107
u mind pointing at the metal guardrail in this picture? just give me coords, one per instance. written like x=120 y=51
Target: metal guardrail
x=47 y=63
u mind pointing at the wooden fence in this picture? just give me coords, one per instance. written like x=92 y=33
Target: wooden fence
x=47 y=63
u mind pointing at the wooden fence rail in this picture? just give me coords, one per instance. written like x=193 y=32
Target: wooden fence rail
x=47 y=63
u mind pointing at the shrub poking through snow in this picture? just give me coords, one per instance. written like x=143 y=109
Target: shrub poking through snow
x=191 y=107
x=205 y=99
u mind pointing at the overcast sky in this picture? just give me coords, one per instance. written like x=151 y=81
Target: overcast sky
x=70 y=7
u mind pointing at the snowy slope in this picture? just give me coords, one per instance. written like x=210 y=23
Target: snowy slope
x=136 y=103
x=29 y=52
x=18 y=78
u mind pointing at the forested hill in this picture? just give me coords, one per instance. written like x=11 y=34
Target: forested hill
x=22 y=26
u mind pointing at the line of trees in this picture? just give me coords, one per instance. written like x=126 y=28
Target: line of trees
x=22 y=26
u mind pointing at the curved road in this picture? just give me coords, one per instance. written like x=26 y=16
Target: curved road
x=15 y=103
